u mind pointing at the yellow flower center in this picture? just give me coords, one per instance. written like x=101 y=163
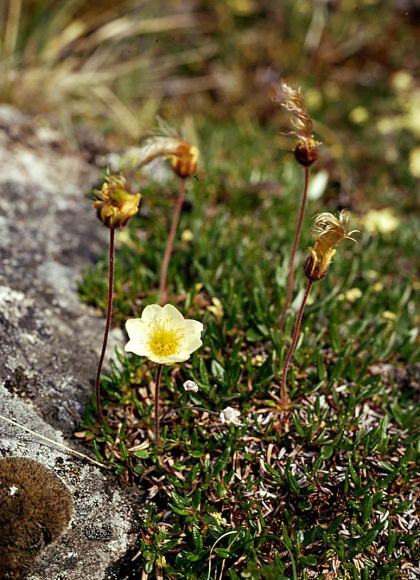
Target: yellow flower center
x=164 y=341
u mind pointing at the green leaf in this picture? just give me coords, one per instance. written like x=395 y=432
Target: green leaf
x=179 y=511
x=222 y=552
x=327 y=451
x=392 y=540
x=221 y=462
x=218 y=371
x=308 y=560
x=197 y=538
x=298 y=425
x=367 y=507
x=141 y=453
x=196 y=453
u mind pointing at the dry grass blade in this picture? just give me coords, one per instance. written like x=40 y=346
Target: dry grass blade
x=77 y=61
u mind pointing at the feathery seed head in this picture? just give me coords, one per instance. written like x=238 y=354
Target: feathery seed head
x=327 y=231
x=182 y=156
x=293 y=101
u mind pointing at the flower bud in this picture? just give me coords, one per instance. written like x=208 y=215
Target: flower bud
x=184 y=162
x=116 y=205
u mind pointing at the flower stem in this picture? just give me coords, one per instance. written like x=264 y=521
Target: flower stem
x=294 y=248
x=107 y=323
x=296 y=331
x=157 y=421
x=163 y=291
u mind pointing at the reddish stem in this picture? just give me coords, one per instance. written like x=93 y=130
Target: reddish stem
x=296 y=331
x=108 y=322
x=294 y=248
x=163 y=291
x=157 y=402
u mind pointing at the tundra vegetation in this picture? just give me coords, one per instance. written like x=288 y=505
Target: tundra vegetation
x=284 y=446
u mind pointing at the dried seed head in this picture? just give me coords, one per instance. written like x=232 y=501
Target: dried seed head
x=306 y=152
x=182 y=156
x=327 y=231
x=116 y=205
x=293 y=101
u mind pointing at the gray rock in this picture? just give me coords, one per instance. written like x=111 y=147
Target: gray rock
x=50 y=341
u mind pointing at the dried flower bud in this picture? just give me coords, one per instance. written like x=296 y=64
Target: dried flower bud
x=327 y=231
x=116 y=205
x=182 y=156
x=230 y=416
x=191 y=386
x=306 y=149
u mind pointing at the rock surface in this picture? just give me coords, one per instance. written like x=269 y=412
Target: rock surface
x=49 y=341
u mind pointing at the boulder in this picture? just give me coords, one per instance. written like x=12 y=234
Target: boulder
x=50 y=341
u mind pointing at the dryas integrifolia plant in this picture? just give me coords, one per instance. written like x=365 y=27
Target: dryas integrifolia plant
x=327 y=231
x=115 y=206
x=165 y=337
x=183 y=158
x=305 y=154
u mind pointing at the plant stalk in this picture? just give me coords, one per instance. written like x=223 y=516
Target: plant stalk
x=294 y=248
x=296 y=331
x=157 y=418
x=163 y=290
x=107 y=323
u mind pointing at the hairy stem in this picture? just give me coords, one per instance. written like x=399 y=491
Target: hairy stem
x=108 y=321
x=296 y=331
x=294 y=248
x=157 y=419
x=163 y=290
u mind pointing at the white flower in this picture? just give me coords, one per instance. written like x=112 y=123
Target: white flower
x=383 y=221
x=230 y=416
x=163 y=335
x=190 y=386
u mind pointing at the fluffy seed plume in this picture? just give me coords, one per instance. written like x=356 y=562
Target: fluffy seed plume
x=306 y=148
x=327 y=231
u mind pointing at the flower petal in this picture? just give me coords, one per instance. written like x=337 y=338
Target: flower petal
x=176 y=358
x=136 y=328
x=193 y=327
x=138 y=348
x=150 y=312
x=171 y=313
x=190 y=344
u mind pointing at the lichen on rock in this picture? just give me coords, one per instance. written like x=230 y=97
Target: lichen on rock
x=35 y=508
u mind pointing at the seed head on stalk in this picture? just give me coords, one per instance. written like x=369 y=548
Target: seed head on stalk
x=292 y=100
x=114 y=207
x=327 y=231
x=183 y=158
x=305 y=154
